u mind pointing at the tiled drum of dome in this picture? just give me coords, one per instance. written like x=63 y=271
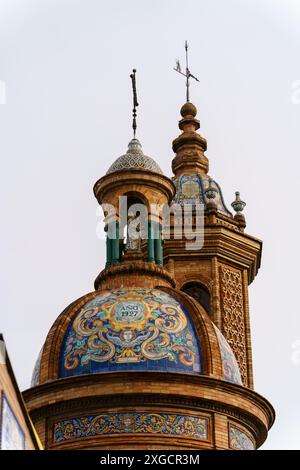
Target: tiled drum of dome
x=231 y=372
x=138 y=329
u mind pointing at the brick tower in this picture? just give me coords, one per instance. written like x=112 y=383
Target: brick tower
x=158 y=356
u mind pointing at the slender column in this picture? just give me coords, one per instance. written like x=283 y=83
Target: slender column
x=150 y=244
x=158 y=244
x=115 y=256
x=108 y=249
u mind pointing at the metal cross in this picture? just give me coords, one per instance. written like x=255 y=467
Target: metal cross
x=135 y=101
x=187 y=73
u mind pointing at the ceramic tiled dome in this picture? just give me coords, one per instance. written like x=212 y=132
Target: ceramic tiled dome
x=134 y=329
x=134 y=159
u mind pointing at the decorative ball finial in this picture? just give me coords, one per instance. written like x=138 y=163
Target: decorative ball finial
x=188 y=109
x=188 y=112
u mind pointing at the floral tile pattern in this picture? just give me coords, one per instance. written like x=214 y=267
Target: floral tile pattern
x=239 y=440
x=130 y=423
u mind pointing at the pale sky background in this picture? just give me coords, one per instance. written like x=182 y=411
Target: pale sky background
x=67 y=117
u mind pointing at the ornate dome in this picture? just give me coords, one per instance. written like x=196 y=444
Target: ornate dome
x=190 y=189
x=134 y=159
x=138 y=329
x=134 y=329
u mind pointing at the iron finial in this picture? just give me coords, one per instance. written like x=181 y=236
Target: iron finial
x=135 y=101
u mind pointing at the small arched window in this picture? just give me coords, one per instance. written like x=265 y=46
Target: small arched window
x=199 y=293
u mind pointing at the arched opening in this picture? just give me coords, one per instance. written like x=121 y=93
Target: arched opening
x=134 y=232
x=200 y=293
x=146 y=235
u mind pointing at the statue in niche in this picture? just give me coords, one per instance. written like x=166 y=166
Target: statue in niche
x=133 y=235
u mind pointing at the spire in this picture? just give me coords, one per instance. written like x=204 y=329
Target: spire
x=189 y=146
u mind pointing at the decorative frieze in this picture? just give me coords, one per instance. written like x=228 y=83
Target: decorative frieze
x=130 y=423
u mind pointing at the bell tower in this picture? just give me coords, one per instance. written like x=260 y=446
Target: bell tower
x=158 y=355
x=219 y=273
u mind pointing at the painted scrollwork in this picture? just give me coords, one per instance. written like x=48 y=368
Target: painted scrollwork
x=196 y=427
x=130 y=327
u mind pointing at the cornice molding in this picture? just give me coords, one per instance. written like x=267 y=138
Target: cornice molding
x=236 y=248
x=40 y=393
x=130 y=177
x=76 y=406
x=135 y=268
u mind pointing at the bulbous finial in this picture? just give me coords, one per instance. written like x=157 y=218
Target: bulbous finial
x=189 y=146
x=238 y=205
x=188 y=109
x=134 y=146
x=211 y=191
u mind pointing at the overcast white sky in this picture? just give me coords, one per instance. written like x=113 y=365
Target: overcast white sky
x=67 y=116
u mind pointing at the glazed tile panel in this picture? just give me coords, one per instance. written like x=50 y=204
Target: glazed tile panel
x=36 y=371
x=130 y=423
x=12 y=436
x=238 y=440
x=190 y=189
x=231 y=372
x=138 y=329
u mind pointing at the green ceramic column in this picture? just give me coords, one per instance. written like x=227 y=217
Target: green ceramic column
x=158 y=244
x=108 y=248
x=108 y=251
x=150 y=245
x=115 y=256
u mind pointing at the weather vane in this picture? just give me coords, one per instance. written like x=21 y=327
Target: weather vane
x=187 y=73
x=135 y=101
